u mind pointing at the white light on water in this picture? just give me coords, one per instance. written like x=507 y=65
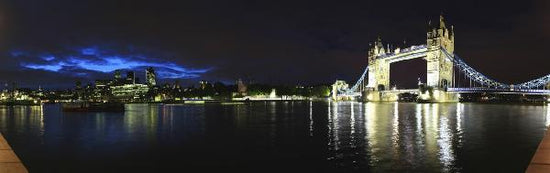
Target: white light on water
x=395 y=125
x=310 y=118
x=418 y=115
x=548 y=115
x=445 y=147
x=371 y=126
x=459 y=113
x=352 y=122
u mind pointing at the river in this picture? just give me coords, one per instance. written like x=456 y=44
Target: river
x=278 y=136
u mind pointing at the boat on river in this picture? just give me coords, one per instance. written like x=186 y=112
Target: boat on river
x=93 y=107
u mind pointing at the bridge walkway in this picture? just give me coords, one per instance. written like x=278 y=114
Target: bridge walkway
x=9 y=162
x=541 y=159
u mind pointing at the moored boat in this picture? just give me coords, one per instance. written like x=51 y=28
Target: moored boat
x=93 y=107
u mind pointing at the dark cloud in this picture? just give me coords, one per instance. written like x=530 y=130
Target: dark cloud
x=267 y=41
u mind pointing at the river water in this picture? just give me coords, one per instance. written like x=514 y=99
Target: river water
x=278 y=136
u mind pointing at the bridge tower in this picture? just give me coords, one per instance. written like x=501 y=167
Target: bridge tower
x=440 y=69
x=379 y=70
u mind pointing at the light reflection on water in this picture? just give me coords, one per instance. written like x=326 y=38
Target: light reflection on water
x=548 y=114
x=31 y=118
x=408 y=136
x=342 y=136
x=310 y=118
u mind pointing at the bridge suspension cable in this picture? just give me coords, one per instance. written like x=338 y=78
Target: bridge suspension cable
x=484 y=80
x=463 y=67
x=472 y=73
x=539 y=82
x=355 y=86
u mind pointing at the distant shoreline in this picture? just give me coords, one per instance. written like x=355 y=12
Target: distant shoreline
x=230 y=102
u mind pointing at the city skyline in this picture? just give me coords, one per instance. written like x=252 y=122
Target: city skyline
x=272 y=47
x=282 y=86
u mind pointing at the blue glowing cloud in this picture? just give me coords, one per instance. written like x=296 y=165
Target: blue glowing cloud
x=49 y=67
x=88 y=51
x=47 y=57
x=94 y=59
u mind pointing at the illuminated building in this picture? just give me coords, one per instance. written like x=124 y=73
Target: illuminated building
x=129 y=92
x=40 y=92
x=102 y=83
x=78 y=84
x=241 y=87
x=176 y=85
x=101 y=92
x=203 y=84
x=130 y=77
x=150 y=76
x=24 y=96
x=118 y=76
x=338 y=86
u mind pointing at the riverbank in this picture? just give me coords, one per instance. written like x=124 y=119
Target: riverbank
x=9 y=162
x=541 y=159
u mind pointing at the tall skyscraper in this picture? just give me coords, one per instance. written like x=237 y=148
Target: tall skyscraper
x=78 y=84
x=118 y=76
x=130 y=77
x=150 y=76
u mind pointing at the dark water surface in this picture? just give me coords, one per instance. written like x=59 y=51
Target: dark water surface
x=278 y=136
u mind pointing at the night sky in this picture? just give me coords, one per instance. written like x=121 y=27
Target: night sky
x=53 y=43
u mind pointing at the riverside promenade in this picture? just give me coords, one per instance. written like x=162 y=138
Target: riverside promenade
x=9 y=162
x=541 y=159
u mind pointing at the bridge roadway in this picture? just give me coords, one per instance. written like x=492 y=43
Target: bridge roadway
x=472 y=90
x=406 y=54
x=500 y=91
x=481 y=90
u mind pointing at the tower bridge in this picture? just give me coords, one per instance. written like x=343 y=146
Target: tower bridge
x=445 y=70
